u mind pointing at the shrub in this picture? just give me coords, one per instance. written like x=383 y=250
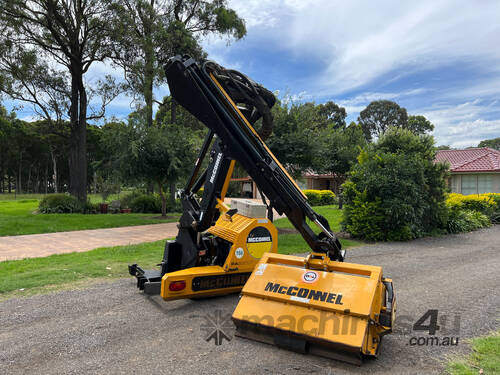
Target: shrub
x=59 y=203
x=319 y=197
x=126 y=200
x=495 y=215
x=460 y=208
x=396 y=191
x=466 y=221
x=484 y=203
x=327 y=197
x=146 y=204
x=364 y=219
x=90 y=208
x=313 y=197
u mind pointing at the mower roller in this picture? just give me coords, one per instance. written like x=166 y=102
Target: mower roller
x=315 y=304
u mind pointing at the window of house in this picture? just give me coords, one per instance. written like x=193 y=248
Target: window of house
x=469 y=184
x=484 y=183
x=477 y=184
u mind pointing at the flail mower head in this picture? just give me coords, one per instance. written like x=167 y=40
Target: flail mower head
x=314 y=305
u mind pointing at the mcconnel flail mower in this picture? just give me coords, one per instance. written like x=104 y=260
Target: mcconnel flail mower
x=318 y=304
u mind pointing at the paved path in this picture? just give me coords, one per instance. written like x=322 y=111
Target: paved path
x=40 y=245
x=111 y=328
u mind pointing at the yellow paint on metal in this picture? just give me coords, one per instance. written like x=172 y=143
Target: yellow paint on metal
x=228 y=179
x=236 y=230
x=253 y=131
x=258 y=249
x=327 y=303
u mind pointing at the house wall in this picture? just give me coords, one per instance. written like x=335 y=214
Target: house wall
x=319 y=183
x=456 y=181
x=324 y=184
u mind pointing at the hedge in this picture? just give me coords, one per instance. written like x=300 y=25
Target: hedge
x=466 y=221
x=59 y=204
x=462 y=209
x=148 y=203
x=64 y=204
x=320 y=197
x=484 y=203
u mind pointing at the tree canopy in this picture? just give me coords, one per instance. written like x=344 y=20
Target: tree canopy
x=145 y=34
x=396 y=191
x=379 y=115
x=492 y=143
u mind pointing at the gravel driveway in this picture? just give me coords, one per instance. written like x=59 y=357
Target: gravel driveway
x=112 y=328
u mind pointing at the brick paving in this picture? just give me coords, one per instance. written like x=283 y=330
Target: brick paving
x=40 y=245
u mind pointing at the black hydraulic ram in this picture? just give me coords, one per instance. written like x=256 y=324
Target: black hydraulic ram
x=198 y=89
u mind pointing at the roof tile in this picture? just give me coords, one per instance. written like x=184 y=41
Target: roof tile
x=483 y=159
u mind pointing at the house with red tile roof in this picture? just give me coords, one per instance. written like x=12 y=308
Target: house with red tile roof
x=308 y=180
x=473 y=170
x=321 y=181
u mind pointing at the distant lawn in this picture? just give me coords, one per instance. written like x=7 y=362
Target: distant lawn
x=94 y=198
x=35 y=275
x=30 y=276
x=295 y=244
x=17 y=217
x=485 y=357
x=331 y=213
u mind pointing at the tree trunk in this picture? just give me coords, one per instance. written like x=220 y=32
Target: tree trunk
x=2 y=180
x=78 y=138
x=172 y=193
x=148 y=67
x=46 y=176
x=19 y=188
x=163 y=200
x=29 y=179
x=148 y=94
x=9 y=179
x=54 y=169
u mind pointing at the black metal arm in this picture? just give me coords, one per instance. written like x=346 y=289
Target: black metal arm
x=199 y=91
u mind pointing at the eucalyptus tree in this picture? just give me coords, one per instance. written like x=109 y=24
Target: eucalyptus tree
x=46 y=48
x=148 y=32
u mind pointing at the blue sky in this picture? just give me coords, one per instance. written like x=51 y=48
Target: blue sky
x=436 y=58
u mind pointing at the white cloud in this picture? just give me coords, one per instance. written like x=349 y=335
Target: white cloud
x=464 y=124
x=363 y=41
x=266 y=14
x=356 y=104
x=359 y=41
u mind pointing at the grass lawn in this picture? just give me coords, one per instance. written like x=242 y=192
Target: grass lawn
x=485 y=356
x=94 y=198
x=30 y=276
x=295 y=244
x=34 y=275
x=16 y=217
x=331 y=213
